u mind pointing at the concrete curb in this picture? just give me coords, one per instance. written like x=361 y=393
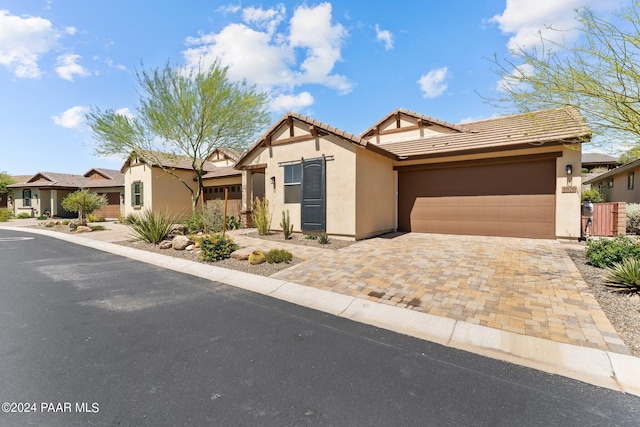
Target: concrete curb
x=605 y=369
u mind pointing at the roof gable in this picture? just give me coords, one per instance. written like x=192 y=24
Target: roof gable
x=165 y=160
x=294 y=127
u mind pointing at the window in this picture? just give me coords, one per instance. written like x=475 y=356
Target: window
x=630 y=181
x=136 y=194
x=26 y=197
x=292 y=174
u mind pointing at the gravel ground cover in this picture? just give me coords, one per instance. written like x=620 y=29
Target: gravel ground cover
x=623 y=310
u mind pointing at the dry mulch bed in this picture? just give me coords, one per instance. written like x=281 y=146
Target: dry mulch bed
x=623 y=310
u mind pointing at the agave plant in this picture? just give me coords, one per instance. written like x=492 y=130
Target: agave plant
x=624 y=276
x=151 y=227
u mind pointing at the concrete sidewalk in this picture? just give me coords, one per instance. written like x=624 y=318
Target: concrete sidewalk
x=602 y=362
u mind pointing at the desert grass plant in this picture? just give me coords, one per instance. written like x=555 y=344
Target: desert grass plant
x=216 y=247
x=323 y=239
x=23 y=215
x=151 y=227
x=624 y=276
x=5 y=214
x=285 y=224
x=278 y=255
x=261 y=216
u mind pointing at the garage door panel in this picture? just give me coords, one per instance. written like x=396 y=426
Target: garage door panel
x=516 y=200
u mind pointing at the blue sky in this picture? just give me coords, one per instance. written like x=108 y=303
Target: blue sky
x=346 y=63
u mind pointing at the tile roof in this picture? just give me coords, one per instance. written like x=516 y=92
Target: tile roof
x=113 y=178
x=620 y=169
x=318 y=124
x=221 y=172
x=556 y=126
x=167 y=160
x=433 y=120
x=598 y=158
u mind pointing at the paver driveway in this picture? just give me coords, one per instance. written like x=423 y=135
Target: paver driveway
x=526 y=286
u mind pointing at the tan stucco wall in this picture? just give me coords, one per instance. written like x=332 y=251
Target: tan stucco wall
x=567 y=204
x=619 y=192
x=170 y=194
x=215 y=182
x=340 y=174
x=376 y=192
x=137 y=172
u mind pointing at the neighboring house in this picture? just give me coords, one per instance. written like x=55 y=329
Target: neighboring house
x=511 y=176
x=149 y=186
x=44 y=192
x=6 y=198
x=592 y=161
x=619 y=184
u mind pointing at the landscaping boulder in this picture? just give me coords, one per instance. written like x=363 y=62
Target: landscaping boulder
x=189 y=248
x=83 y=229
x=165 y=244
x=179 y=243
x=242 y=254
x=179 y=230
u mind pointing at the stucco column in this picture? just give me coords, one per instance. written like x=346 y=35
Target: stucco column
x=54 y=203
x=246 y=191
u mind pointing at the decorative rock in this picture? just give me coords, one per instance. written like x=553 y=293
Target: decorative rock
x=179 y=243
x=83 y=229
x=72 y=225
x=165 y=244
x=189 y=248
x=242 y=254
x=179 y=230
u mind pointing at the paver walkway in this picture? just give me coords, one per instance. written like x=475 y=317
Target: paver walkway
x=526 y=286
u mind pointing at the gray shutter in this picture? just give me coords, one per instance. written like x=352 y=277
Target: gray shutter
x=141 y=193
x=313 y=212
x=133 y=194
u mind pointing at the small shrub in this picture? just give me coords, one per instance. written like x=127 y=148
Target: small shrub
x=97 y=227
x=278 y=255
x=323 y=239
x=95 y=218
x=285 y=224
x=257 y=257
x=23 y=215
x=151 y=227
x=633 y=218
x=42 y=218
x=5 y=214
x=261 y=216
x=49 y=224
x=216 y=247
x=593 y=196
x=212 y=218
x=84 y=202
x=66 y=222
x=624 y=276
x=605 y=252
x=233 y=222
x=311 y=237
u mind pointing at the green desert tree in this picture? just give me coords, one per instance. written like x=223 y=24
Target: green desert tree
x=84 y=202
x=599 y=74
x=183 y=113
x=5 y=179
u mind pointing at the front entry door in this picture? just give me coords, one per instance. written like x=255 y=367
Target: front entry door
x=313 y=213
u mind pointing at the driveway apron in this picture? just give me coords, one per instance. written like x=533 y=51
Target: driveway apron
x=526 y=286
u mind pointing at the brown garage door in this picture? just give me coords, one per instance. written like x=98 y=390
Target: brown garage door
x=506 y=199
x=112 y=208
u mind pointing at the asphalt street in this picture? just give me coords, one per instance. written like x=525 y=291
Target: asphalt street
x=90 y=338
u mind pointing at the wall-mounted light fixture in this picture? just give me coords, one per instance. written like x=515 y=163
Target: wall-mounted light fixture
x=569 y=169
x=121 y=197
x=35 y=196
x=273 y=181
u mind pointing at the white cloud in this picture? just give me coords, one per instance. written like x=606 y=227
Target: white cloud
x=384 y=36
x=72 y=118
x=23 y=40
x=268 y=19
x=512 y=81
x=68 y=67
x=125 y=112
x=282 y=103
x=433 y=83
x=229 y=8
x=277 y=60
x=527 y=20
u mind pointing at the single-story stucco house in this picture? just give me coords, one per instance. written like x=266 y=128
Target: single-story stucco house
x=514 y=176
x=44 y=192
x=619 y=184
x=149 y=186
